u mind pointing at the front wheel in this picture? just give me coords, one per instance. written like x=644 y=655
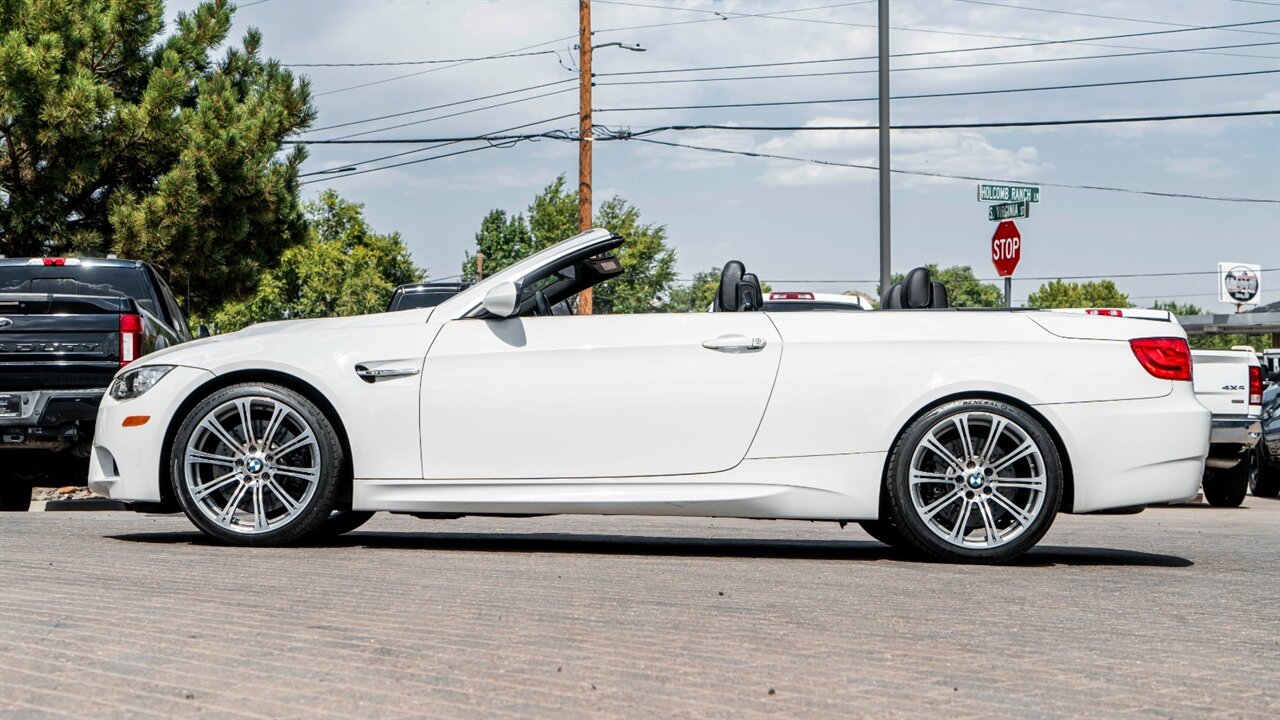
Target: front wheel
x=257 y=464
x=974 y=481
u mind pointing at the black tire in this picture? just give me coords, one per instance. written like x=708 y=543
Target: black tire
x=340 y=522
x=1037 y=496
x=885 y=532
x=1227 y=487
x=1266 y=478
x=309 y=511
x=15 y=494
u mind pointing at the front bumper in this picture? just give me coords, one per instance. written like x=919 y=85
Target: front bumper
x=127 y=463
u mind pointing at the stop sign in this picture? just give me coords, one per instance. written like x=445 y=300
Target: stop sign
x=1006 y=248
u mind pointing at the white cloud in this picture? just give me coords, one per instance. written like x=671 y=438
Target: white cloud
x=1210 y=168
x=942 y=151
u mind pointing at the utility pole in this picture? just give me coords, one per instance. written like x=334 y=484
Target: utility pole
x=886 y=270
x=584 y=133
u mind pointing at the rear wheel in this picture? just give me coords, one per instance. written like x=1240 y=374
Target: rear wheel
x=974 y=481
x=257 y=464
x=1227 y=487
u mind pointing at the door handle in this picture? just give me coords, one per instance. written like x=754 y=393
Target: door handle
x=371 y=375
x=735 y=344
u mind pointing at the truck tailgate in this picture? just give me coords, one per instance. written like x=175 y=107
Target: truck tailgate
x=59 y=341
x=1221 y=381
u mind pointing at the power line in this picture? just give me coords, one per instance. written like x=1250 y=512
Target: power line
x=442 y=67
x=1028 y=8
x=745 y=153
x=727 y=15
x=423 y=62
x=623 y=135
x=918 y=96
x=437 y=143
x=441 y=156
x=936 y=67
x=444 y=105
x=455 y=114
x=611 y=134
x=1038 y=43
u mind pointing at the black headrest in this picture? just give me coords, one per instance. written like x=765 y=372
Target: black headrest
x=916 y=289
x=893 y=298
x=939 y=296
x=749 y=293
x=727 y=293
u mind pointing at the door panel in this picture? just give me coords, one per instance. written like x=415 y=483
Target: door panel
x=595 y=396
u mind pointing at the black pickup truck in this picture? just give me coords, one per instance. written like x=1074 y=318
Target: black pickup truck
x=67 y=325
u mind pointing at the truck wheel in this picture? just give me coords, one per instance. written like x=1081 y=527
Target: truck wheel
x=15 y=494
x=257 y=464
x=1227 y=488
x=974 y=481
x=1266 y=477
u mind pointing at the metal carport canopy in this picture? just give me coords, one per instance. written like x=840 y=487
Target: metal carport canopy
x=1252 y=323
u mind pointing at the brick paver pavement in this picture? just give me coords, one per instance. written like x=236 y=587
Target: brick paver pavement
x=1171 y=613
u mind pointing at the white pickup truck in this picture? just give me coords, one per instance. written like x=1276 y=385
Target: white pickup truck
x=1229 y=384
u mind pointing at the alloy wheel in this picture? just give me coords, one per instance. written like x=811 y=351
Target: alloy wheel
x=252 y=465
x=977 y=480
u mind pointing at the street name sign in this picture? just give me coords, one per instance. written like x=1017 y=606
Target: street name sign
x=1008 y=211
x=1008 y=193
x=1006 y=248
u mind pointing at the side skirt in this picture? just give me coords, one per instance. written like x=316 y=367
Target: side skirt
x=821 y=487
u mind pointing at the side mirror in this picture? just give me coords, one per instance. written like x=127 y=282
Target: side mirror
x=202 y=331
x=501 y=300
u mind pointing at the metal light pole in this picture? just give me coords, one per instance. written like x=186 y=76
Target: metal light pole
x=886 y=271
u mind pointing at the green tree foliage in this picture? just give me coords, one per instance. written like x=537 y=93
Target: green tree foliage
x=963 y=287
x=115 y=140
x=344 y=268
x=649 y=264
x=1060 y=294
x=1211 y=342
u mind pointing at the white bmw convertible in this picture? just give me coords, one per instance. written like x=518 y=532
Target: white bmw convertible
x=958 y=433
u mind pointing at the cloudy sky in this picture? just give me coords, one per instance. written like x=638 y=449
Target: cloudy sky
x=801 y=221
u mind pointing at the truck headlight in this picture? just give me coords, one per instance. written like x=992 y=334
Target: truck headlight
x=135 y=382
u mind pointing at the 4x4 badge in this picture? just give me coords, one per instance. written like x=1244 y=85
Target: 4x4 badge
x=5 y=322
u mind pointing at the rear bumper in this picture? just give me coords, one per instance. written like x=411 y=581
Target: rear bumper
x=1231 y=440
x=1243 y=432
x=43 y=408
x=126 y=463
x=1133 y=452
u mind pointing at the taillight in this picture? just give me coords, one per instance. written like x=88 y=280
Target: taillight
x=130 y=338
x=1255 y=385
x=1164 y=357
x=1106 y=312
x=55 y=262
x=790 y=295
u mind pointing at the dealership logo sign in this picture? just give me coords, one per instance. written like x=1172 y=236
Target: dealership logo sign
x=1240 y=283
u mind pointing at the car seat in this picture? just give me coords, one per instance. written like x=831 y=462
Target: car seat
x=916 y=292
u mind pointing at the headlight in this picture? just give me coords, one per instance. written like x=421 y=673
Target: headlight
x=135 y=382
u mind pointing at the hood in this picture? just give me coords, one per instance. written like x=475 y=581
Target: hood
x=279 y=331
